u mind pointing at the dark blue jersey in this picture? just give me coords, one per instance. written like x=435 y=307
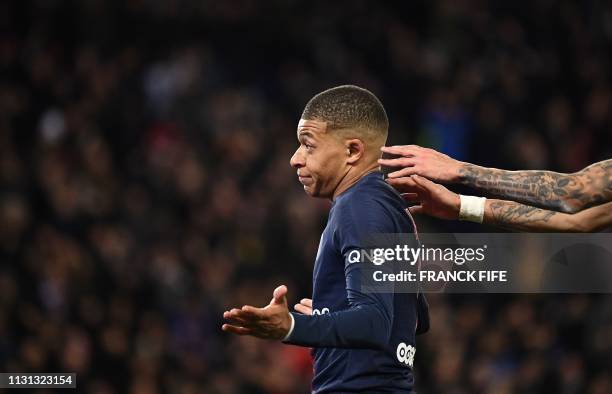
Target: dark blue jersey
x=362 y=342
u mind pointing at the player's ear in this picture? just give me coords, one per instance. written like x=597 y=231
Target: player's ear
x=354 y=150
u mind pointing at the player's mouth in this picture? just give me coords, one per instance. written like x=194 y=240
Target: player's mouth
x=305 y=180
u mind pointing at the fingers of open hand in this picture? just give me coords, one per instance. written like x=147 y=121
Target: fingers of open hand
x=416 y=209
x=398 y=162
x=404 y=185
x=233 y=317
x=423 y=185
x=279 y=294
x=236 y=329
x=306 y=302
x=404 y=172
x=247 y=316
x=245 y=321
x=404 y=150
x=303 y=309
x=411 y=197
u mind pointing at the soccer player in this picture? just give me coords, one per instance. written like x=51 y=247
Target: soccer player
x=362 y=342
x=564 y=198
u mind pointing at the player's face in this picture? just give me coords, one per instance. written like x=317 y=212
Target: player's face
x=320 y=159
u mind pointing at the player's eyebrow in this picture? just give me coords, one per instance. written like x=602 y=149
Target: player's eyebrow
x=305 y=133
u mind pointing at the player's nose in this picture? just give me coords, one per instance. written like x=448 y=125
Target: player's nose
x=297 y=160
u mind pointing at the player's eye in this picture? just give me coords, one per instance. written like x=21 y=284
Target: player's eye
x=309 y=147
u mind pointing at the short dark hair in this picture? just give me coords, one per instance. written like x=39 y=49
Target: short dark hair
x=348 y=106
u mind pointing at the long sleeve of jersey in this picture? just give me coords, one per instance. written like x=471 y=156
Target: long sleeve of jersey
x=368 y=320
x=365 y=324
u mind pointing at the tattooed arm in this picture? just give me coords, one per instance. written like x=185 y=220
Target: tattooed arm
x=515 y=216
x=437 y=201
x=568 y=193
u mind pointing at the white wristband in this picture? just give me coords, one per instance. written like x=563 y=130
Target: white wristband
x=290 y=328
x=472 y=208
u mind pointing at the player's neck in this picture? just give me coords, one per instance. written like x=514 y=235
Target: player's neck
x=352 y=177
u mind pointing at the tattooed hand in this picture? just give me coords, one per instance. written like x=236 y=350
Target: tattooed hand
x=425 y=162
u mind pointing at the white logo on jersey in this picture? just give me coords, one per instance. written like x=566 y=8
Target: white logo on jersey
x=405 y=354
x=320 y=312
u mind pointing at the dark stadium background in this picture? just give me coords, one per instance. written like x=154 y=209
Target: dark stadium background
x=145 y=184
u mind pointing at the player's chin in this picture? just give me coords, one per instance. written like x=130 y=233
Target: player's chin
x=311 y=191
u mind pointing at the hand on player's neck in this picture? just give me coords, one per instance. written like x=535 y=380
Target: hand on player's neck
x=352 y=176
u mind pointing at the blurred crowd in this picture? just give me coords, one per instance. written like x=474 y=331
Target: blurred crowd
x=145 y=184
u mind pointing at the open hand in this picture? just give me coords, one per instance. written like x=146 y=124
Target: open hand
x=270 y=322
x=421 y=161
